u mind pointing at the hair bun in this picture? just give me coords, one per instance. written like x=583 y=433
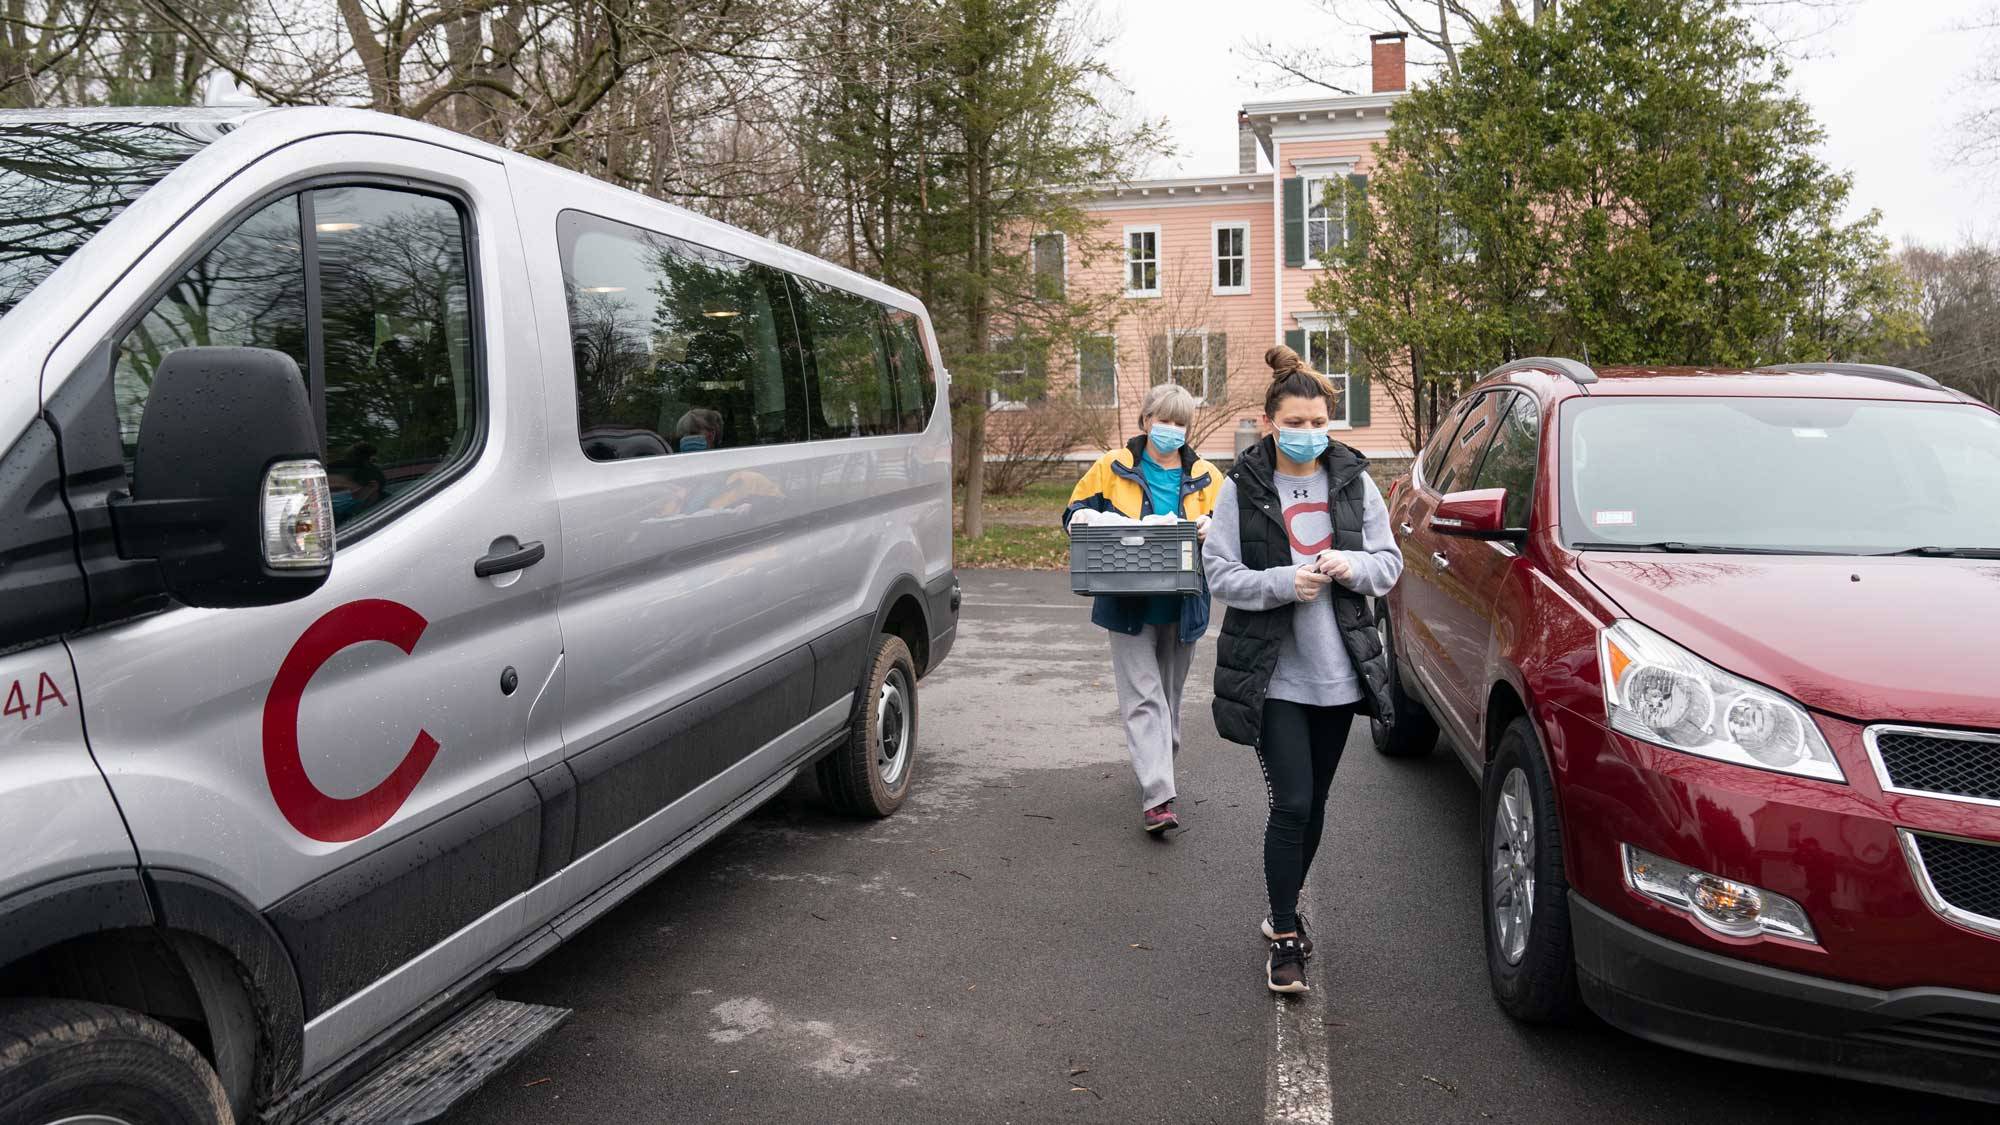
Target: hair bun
x=1282 y=360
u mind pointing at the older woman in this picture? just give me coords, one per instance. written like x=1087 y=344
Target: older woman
x=1152 y=638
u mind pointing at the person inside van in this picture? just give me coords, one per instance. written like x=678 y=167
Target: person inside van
x=357 y=483
x=1300 y=543
x=1152 y=638
x=699 y=429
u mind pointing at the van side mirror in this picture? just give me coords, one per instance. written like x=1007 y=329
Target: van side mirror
x=1478 y=514
x=228 y=492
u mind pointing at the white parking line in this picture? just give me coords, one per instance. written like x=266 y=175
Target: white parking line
x=1079 y=604
x=1298 y=1090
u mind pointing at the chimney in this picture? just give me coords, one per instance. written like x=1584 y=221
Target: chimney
x=1386 y=59
x=1246 y=145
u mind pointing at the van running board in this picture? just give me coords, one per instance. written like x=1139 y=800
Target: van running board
x=423 y=1082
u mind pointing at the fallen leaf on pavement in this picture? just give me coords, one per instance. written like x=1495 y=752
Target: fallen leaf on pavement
x=1440 y=1084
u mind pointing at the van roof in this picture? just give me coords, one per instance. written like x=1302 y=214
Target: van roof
x=304 y=121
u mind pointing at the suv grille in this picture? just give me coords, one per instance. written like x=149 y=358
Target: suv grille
x=1964 y=875
x=1967 y=1035
x=1947 y=763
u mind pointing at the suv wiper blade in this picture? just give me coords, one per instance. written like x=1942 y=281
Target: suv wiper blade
x=1949 y=552
x=1675 y=546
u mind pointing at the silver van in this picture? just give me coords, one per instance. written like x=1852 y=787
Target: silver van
x=639 y=517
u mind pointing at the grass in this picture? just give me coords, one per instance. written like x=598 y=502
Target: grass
x=1041 y=547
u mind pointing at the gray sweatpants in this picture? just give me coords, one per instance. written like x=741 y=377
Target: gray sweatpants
x=1151 y=669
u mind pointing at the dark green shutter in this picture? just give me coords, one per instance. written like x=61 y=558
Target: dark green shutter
x=1295 y=222
x=1037 y=363
x=1296 y=340
x=1357 y=194
x=1156 y=359
x=1357 y=398
x=1218 y=368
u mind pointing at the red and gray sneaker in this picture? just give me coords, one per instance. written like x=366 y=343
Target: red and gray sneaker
x=1285 y=970
x=1161 y=817
x=1305 y=939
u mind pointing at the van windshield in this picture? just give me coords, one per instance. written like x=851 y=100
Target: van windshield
x=60 y=182
x=1781 y=475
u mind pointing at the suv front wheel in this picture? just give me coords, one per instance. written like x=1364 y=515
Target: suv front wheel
x=1526 y=895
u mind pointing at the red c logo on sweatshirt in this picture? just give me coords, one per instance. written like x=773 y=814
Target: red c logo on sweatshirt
x=313 y=812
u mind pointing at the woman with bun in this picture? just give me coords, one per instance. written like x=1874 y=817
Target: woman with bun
x=1299 y=543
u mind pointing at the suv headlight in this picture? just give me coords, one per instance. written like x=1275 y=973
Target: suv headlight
x=1660 y=692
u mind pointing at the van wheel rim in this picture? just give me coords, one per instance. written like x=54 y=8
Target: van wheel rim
x=91 y=1119
x=892 y=729
x=1511 y=870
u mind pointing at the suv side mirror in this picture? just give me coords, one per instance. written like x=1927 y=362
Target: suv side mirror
x=1478 y=514
x=228 y=491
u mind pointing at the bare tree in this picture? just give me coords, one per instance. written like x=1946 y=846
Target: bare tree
x=1959 y=301
x=1186 y=340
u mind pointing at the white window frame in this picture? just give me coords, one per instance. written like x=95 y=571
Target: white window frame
x=1158 y=259
x=1315 y=182
x=1114 y=371
x=1216 y=258
x=1341 y=378
x=1034 y=259
x=994 y=402
x=1174 y=334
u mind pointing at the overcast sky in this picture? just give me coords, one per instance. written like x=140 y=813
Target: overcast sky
x=1884 y=84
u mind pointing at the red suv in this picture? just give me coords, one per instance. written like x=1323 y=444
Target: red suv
x=1723 y=650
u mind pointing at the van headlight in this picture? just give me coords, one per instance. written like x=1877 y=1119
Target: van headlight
x=1660 y=692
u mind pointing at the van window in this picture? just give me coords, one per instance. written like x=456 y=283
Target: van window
x=916 y=385
x=400 y=391
x=856 y=392
x=678 y=348
x=250 y=291
x=393 y=377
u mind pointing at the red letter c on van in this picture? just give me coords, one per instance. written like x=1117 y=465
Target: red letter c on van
x=311 y=811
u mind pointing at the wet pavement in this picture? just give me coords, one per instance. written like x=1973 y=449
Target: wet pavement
x=1011 y=948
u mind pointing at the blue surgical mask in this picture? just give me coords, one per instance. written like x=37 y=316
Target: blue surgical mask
x=1168 y=437
x=1302 y=444
x=693 y=443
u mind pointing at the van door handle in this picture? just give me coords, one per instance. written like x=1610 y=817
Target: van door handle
x=1407 y=529
x=1442 y=562
x=501 y=562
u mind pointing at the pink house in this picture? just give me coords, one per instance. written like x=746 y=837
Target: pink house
x=1215 y=269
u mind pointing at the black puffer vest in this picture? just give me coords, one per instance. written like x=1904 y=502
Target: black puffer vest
x=1247 y=653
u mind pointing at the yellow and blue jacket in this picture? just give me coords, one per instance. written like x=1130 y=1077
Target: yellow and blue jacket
x=1114 y=484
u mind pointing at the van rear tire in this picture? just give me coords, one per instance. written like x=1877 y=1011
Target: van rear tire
x=869 y=774
x=66 y=1058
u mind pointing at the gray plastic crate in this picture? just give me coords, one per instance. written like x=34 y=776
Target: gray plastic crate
x=1154 y=558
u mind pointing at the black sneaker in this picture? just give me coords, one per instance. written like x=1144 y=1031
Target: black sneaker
x=1285 y=970
x=1305 y=939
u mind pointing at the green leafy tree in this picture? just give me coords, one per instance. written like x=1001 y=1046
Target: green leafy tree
x=1627 y=181
x=948 y=130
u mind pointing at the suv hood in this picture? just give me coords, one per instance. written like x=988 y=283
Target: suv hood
x=1907 y=639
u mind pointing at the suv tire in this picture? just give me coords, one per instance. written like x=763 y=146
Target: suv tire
x=67 y=1058
x=1528 y=951
x=1414 y=732
x=869 y=774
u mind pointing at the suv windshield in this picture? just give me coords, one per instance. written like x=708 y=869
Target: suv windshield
x=1834 y=476
x=60 y=182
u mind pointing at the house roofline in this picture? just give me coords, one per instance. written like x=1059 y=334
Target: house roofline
x=1175 y=187
x=1332 y=104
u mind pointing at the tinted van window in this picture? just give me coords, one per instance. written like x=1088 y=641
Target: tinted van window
x=856 y=390
x=916 y=384
x=678 y=348
x=395 y=381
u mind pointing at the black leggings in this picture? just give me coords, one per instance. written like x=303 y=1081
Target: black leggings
x=1299 y=752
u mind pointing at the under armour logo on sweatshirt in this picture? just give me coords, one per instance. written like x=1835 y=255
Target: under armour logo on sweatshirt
x=1301 y=494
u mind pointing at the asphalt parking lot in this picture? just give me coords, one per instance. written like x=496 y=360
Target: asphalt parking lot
x=1011 y=948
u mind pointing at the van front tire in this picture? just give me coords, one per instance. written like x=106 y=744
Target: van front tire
x=62 y=1059
x=869 y=774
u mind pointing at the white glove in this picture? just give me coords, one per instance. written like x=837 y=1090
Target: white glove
x=1081 y=517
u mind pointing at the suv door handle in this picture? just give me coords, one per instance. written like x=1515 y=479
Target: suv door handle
x=501 y=562
x=1442 y=562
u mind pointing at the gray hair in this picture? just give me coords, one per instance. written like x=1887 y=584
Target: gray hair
x=1169 y=402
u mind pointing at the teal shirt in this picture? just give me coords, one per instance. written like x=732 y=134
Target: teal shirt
x=1163 y=486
